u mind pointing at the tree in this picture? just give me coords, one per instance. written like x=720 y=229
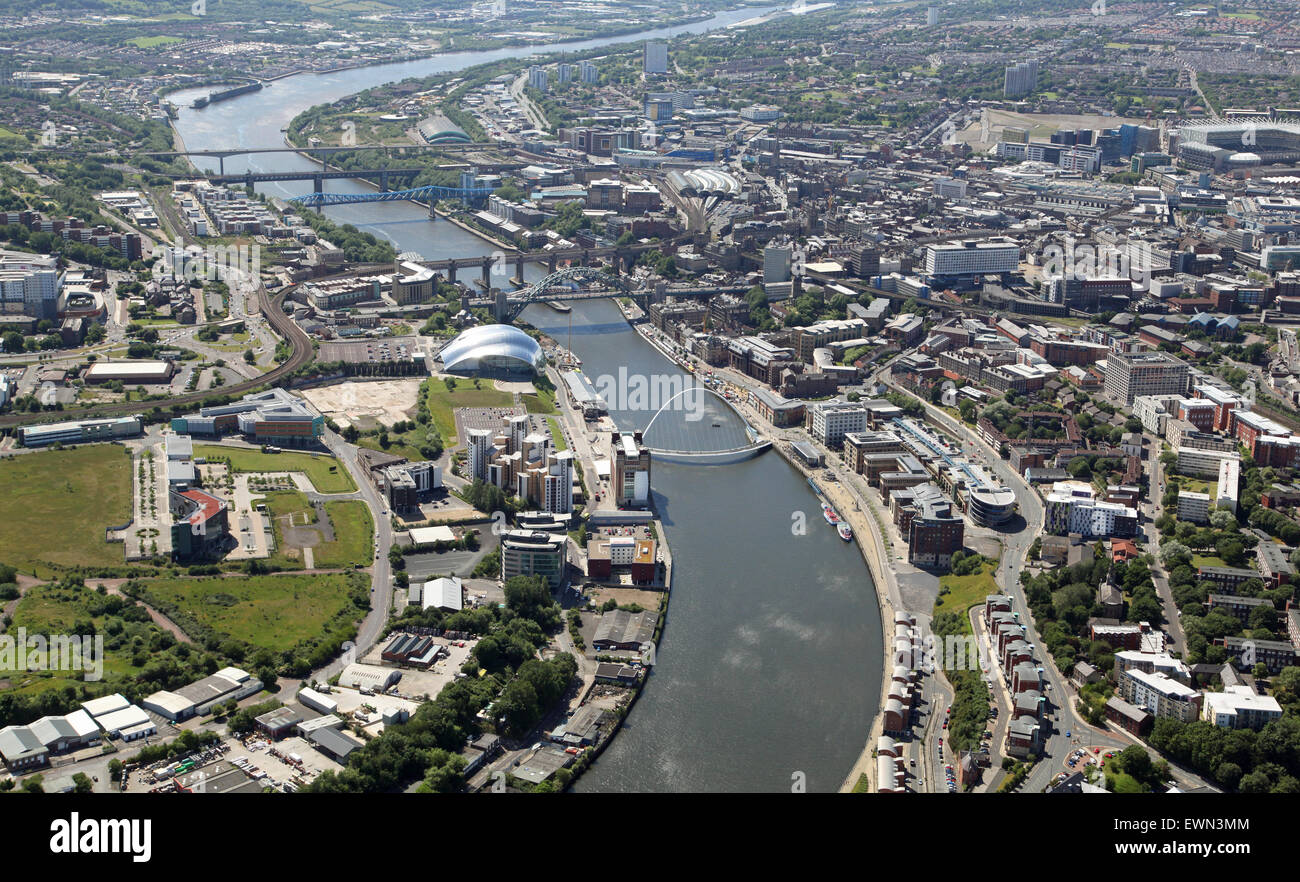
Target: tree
x=530 y=598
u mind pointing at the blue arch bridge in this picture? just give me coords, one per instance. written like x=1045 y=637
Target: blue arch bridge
x=315 y=200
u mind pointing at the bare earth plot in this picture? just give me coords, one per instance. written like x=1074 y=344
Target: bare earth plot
x=365 y=404
x=1040 y=125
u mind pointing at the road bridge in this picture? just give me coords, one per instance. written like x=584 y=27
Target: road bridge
x=432 y=193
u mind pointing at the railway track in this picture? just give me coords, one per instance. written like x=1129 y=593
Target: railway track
x=282 y=324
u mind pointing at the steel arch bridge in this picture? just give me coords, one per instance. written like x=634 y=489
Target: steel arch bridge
x=536 y=292
x=315 y=200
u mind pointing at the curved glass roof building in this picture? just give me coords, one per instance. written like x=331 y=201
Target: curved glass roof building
x=492 y=349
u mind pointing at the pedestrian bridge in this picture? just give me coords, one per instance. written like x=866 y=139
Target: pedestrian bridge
x=711 y=457
x=757 y=443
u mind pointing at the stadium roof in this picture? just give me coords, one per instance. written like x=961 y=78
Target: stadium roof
x=486 y=345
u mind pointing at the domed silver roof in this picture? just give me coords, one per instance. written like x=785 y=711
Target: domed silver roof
x=491 y=343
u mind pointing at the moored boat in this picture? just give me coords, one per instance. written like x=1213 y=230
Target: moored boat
x=846 y=532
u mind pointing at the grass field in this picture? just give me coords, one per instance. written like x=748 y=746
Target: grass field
x=324 y=472
x=543 y=401
x=152 y=42
x=353 y=531
x=442 y=401
x=82 y=490
x=273 y=611
x=279 y=504
x=966 y=591
x=396 y=447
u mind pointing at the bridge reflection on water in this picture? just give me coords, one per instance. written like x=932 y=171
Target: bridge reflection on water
x=696 y=422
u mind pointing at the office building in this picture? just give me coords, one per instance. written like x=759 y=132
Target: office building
x=1129 y=375
x=777 y=264
x=830 y=421
x=80 y=431
x=534 y=553
x=274 y=417
x=972 y=258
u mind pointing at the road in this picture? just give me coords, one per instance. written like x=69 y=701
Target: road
x=1152 y=508
x=381 y=577
x=1062 y=717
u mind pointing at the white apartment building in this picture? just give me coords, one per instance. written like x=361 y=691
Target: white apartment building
x=1194 y=507
x=1240 y=707
x=1229 y=479
x=1205 y=463
x=478 y=453
x=1160 y=695
x=559 y=483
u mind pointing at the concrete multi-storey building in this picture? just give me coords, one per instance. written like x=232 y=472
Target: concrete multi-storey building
x=1020 y=78
x=1240 y=707
x=629 y=470
x=656 y=58
x=830 y=421
x=1193 y=507
x=972 y=258
x=1129 y=375
x=777 y=264
x=1204 y=463
x=1160 y=695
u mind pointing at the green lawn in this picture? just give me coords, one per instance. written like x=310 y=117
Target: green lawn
x=543 y=401
x=152 y=42
x=324 y=472
x=1197 y=485
x=442 y=401
x=1207 y=560
x=275 y=612
x=77 y=493
x=556 y=435
x=353 y=531
x=966 y=591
